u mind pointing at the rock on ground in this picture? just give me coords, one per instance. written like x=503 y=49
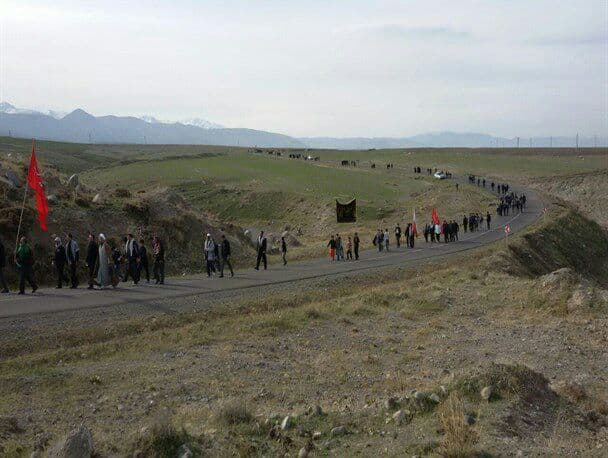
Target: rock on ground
x=77 y=444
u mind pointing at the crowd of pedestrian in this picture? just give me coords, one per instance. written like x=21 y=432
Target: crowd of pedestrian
x=109 y=264
x=105 y=265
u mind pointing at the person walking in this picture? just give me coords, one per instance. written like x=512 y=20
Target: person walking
x=133 y=260
x=72 y=253
x=284 y=250
x=411 y=235
x=59 y=261
x=339 y=248
x=378 y=240
x=386 y=239
x=143 y=261
x=261 y=251
x=91 y=259
x=349 y=249
x=224 y=255
x=356 y=242
x=398 y=235
x=2 y=266
x=332 y=248
x=117 y=262
x=24 y=260
x=209 y=255
x=158 y=253
x=465 y=222
x=488 y=219
x=106 y=272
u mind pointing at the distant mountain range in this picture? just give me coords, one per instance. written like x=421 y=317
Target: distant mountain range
x=82 y=127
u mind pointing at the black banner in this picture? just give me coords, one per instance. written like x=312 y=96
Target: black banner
x=346 y=213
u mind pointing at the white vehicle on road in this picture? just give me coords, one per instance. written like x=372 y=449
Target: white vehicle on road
x=440 y=175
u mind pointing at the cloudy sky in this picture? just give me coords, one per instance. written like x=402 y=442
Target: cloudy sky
x=317 y=67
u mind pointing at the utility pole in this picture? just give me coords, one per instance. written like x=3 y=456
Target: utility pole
x=145 y=140
x=595 y=141
x=577 y=142
x=518 y=142
x=10 y=134
x=90 y=137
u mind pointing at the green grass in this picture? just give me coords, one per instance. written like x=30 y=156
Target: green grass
x=505 y=162
x=248 y=186
x=491 y=162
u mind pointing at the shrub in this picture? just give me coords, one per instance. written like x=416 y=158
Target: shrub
x=459 y=438
x=233 y=413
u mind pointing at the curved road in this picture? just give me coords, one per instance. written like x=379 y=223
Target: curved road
x=46 y=301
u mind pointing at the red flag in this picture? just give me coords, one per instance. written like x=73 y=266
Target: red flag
x=435 y=217
x=35 y=182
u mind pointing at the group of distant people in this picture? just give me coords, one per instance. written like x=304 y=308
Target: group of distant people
x=338 y=249
x=105 y=265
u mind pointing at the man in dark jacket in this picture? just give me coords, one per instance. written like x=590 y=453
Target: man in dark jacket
x=143 y=260
x=224 y=256
x=132 y=256
x=72 y=253
x=2 y=266
x=398 y=235
x=24 y=260
x=356 y=242
x=261 y=250
x=158 y=252
x=488 y=219
x=91 y=260
x=59 y=262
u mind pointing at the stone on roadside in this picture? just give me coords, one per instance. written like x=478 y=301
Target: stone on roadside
x=486 y=393
x=184 y=451
x=435 y=398
x=391 y=403
x=77 y=444
x=338 y=431
x=398 y=417
x=317 y=435
x=14 y=179
x=286 y=423
x=97 y=198
x=73 y=181
x=420 y=396
x=7 y=182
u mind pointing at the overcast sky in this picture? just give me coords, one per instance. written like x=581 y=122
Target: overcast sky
x=317 y=67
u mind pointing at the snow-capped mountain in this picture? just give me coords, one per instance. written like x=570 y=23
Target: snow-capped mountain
x=196 y=122
x=7 y=108
x=202 y=123
x=82 y=127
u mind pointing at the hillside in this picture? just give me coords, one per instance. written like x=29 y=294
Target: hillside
x=80 y=126
x=483 y=354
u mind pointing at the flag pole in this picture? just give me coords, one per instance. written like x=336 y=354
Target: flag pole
x=22 y=208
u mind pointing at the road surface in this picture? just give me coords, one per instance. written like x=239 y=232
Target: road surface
x=46 y=301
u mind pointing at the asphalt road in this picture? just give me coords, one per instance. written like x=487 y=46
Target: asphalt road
x=46 y=301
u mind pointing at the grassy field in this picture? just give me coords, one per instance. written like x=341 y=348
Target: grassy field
x=222 y=184
x=222 y=379
x=519 y=163
x=506 y=162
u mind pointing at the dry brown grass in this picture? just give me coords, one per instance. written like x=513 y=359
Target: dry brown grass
x=233 y=412
x=459 y=437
